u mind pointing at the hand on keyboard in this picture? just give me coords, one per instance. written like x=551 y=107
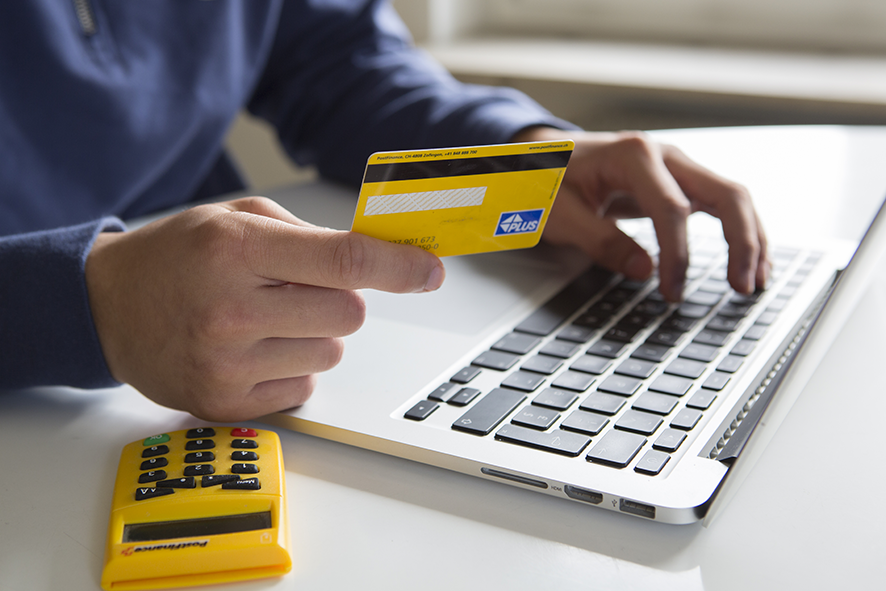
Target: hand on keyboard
x=619 y=175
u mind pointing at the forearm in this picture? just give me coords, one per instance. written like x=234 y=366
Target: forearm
x=48 y=335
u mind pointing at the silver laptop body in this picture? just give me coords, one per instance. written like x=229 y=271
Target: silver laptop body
x=411 y=345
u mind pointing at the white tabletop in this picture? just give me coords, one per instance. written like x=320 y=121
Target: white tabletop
x=807 y=517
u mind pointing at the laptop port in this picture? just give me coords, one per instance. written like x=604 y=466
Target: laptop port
x=635 y=508
x=514 y=477
x=580 y=494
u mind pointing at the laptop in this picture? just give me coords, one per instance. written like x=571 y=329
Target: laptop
x=540 y=370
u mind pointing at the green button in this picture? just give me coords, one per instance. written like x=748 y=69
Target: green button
x=155 y=439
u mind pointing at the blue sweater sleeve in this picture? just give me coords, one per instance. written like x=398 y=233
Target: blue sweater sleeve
x=343 y=80
x=48 y=333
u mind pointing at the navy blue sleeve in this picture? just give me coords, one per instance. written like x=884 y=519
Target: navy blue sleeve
x=343 y=80
x=48 y=333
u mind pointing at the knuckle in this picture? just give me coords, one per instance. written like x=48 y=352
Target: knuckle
x=348 y=260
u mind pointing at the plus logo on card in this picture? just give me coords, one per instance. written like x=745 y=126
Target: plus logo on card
x=519 y=222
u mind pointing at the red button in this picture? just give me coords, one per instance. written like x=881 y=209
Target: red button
x=241 y=432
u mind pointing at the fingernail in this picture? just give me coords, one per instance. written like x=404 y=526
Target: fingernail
x=435 y=280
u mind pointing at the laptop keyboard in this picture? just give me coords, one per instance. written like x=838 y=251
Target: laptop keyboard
x=607 y=369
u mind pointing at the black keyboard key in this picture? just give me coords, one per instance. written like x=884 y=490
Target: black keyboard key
x=491 y=410
x=673 y=385
x=699 y=352
x=616 y=448
x=591 y=364
x=665 y=338
x=621 y=334
x=716 y=381
x=464 y=397
x=714 y=338
x=465 y=375
x=723 y=324
x=244 y=444
x=756 y=332
x=556 y=310
x=766 y=318
x=187 y=482
x=444 y=392
x=588 y=423
x=686 y=419
x=652 y=462
x=623 y=385
x=743 y=348
x=217 y=479
x=694 y=311
x=244 y=456
x=686 y=368
x=200 y=433
x=651 y=307
x=152 y=476
x=497 y=360
x=730 y=363
x=199 y=457
x=669 y=440
x=660 y=404
x=519 y=344
x=651 y=352
x=421 y=410
x=605 y=348
x=244 y=484
x=679 y=324
x=636 y=368
x=608 y=404
x=142 y=494
x=199 y=470
x=542 y=364
x=731 y=310
x=576 y=334
x=156 y=450
x=524 y=381
x=635 y=320
x=636 y=421
x=535 y=417
x=557 y=441
x=556 y=399
x=705 y=298
x=560 y=349
x=702 y=399
x=244 y=469
x=573 y=380
x=199 y=444
x=153 y=464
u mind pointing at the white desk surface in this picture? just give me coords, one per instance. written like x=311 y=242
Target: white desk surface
x=809 y=516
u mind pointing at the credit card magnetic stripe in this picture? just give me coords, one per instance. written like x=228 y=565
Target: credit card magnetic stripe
x=407 y=171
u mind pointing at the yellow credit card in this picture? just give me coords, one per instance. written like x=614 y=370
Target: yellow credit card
x=466 y=200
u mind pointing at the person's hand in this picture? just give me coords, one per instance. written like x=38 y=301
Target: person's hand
x=619 y=175
x=228 y=311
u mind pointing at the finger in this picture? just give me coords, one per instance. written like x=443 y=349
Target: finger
x=295 y=310
x=659 y=195
x=265 y=207
x=731 y=203
x=275 y=358
x=261 y=399
x=337 y=259
x=572 y=222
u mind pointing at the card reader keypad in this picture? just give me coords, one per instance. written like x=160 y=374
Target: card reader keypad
x=184 y=461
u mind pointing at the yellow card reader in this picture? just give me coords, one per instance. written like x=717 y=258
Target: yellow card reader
x=198 y=506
